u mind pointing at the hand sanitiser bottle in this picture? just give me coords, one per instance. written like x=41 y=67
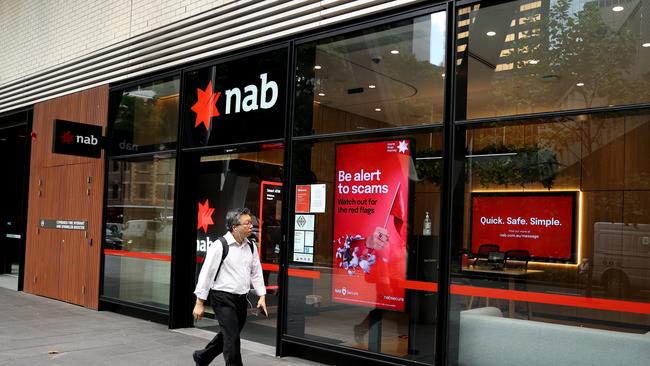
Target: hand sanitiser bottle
x=426 y=228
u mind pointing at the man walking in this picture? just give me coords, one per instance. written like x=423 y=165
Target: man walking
x=227 y=281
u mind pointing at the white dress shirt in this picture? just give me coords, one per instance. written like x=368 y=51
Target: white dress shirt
x=239 y=270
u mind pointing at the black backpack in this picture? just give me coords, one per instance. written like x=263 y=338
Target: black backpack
x=226 y=247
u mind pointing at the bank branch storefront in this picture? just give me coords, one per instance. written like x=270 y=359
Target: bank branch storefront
x=460 y=183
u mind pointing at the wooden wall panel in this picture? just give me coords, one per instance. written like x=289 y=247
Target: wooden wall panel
x=637 y=153
x=603 y=154
x=61 y=264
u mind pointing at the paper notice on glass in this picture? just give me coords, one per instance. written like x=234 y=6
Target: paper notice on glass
x=299 y=241
x=309 y=239
x=304 y=222
x=317 y=198
x=303 y=192
x=301 y=257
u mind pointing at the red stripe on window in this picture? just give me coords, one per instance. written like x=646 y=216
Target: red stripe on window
x=139 y=255
x=270 y=267
x=418 y=285
x=463 y=290
x=554 y=299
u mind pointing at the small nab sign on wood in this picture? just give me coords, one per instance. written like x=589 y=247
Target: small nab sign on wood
x=79 y=139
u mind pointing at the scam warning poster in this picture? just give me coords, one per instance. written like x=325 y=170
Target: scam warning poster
x=370 y=220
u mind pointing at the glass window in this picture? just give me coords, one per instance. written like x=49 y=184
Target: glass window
x=386 y=76
x=144 y=118
x=364 y=247
x=536 y=56
x=552 y=241
x=137 y=248
x=236 y=101
x=252 y=180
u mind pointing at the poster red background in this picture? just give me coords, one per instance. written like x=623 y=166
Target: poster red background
x=360 y=213
x=303 y=196
x=550 y=239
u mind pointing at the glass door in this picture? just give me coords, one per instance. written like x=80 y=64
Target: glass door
x=252 y=180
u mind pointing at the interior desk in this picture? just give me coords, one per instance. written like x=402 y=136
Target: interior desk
x=511 y=274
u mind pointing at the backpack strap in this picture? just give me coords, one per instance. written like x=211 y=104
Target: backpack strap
x=224 y=254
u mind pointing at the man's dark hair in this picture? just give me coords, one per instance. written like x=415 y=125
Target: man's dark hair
x=233 y=216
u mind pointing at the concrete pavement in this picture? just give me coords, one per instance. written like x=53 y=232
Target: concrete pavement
x=39 y=331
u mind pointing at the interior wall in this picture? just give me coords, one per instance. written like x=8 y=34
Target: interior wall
x=64 y=264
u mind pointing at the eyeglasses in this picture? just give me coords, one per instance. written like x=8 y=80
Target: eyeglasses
x=247 y=224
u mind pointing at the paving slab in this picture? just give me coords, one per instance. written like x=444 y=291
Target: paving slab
x=39 y=331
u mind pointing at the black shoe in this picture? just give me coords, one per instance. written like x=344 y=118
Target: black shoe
x=196 y=358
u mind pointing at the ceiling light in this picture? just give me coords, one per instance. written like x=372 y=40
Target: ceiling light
x=646 y=45
x=371 y=86
x=377 y=109
x=580 y=84
x=491 y=33
x=618 y=8
x=321 y=94
x=318 y=67
x=534 y=62
x=394 y=52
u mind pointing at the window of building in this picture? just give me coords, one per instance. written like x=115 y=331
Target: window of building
x=137 y=250
x=552 y=240
x=144 y=118
x=387 y=76
x=143 y=128
x=364 y=254
x=365 y=212
x=541 y=56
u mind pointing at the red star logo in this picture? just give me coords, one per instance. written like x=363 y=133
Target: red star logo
x=205 y=216
x=206 y=107
x=67 y=137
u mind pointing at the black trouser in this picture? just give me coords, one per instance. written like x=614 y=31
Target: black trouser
x=230 y=311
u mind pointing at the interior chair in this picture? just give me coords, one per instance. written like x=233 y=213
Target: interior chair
x=484 y=250
x=482 y=253
x=517 y=255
